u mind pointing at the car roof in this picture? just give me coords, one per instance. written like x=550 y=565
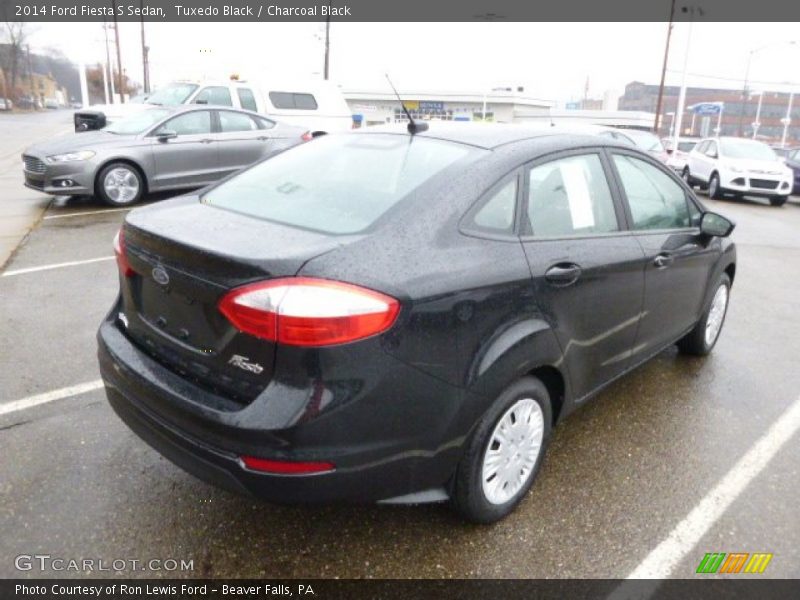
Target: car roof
x=491 y=135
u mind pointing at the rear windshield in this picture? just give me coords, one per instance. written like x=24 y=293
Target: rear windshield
x=337 y=184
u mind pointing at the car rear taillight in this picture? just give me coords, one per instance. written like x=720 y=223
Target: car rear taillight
x=307 y=137
x=303 y=311
x=285 y=467
x=122 y=256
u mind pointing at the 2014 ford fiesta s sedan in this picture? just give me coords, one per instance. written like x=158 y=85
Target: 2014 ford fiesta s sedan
x=383 y=316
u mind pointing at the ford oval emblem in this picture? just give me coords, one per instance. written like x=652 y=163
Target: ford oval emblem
x=160 y=276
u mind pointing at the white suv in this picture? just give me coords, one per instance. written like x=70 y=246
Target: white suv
x=729 y=165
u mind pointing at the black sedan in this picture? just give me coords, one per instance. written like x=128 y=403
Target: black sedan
x=386 y=316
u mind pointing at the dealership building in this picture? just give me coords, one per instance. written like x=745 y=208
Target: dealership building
x=507 y=105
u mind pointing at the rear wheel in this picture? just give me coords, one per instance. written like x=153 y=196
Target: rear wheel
x=120 y=184
x=701 y=340
x=778 y=200
x=504 y=453
x=714 y=188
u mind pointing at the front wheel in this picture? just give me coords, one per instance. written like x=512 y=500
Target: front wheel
x=504 y=453
x=778 y=200
x=120 y=184
x=687 y=177
x=714 y=189
x=702 y=339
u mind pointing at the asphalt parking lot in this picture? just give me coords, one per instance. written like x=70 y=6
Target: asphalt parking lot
x=622 y=473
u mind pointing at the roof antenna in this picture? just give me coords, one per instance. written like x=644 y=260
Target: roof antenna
x=413 y=126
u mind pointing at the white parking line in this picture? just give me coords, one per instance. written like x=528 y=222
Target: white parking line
x=38 y=399
x=86 y=212
x=660 y=563
x=55 y=266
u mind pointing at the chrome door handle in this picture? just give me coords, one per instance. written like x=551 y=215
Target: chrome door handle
x=662 y=261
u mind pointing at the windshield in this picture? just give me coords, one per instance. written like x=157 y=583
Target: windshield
x=171 y=95
x=337 y=183
x=137 y=123
x=747 y=149
x=645 y=141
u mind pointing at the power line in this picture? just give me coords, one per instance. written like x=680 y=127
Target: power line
x=735 y=79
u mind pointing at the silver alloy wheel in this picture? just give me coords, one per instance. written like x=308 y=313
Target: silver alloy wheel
x=121 y=185
x=717 y=314
x=512 y=451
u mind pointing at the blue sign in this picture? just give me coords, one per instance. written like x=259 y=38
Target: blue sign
x=707 y=108
x=428 y=105
x=572 y=106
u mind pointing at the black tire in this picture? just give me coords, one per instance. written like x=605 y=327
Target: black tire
x=695 y=342
x=123 y=199
x=778 y=200
x=714 y=188
x=468 y=497
x=687 y=177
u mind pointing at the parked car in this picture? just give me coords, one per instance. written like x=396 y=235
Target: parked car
x=6 y=104
x=792 y=161
x=318 y=106
x=677 y=157
x=51 y=103
x=644 y=140
x=380 y=316
x=157 y=149
x=738 y=166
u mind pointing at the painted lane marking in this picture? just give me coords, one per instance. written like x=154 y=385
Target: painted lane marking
x=66 y=392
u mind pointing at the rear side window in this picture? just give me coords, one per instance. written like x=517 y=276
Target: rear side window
x=293 y=101
x=338 y=184
x=247 y=99
x=231 y=121
x=571 y=196
x=217 y=96
x=497 y=213
x=655 y=200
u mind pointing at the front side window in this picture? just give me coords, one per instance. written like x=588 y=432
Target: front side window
x=338 y=184
x=655 y=199
x=497 y=213
x=231 y=121
x=216 y=96
x=247 y=99
x=571 y=196
x=196 y=122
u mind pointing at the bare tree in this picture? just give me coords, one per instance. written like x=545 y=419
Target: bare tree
x=11 y=53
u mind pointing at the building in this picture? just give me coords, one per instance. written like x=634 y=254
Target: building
x=738 y=114
x=371 y=107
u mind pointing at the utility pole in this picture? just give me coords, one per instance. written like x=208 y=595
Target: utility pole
x=108 y=68
x=145 y=50
x=682 y=95
x=664 y=72
x=327 y=42
x=30 y=74
x=119 y=55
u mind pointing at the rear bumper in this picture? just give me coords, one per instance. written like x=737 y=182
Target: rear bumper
x=207 y=441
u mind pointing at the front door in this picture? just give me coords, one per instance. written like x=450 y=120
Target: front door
x=190 y=159
x=678 y=259
x=586 y=269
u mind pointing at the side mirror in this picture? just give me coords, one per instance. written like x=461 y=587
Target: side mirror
x=713 y=155
x=166 y=134
x=669 y=150
x=200 y=101
x=715 y=225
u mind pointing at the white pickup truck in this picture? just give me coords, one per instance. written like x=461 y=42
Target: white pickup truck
x=316 y=105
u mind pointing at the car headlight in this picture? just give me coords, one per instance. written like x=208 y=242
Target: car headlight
x=71 y=156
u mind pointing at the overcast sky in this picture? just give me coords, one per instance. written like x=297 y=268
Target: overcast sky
x=552 y=60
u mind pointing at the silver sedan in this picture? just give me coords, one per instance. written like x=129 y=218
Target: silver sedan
x=162 y=148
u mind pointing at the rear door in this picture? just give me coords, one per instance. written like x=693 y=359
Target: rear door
x=586 y=268
x=242 y=140
x=678 y=260
x=190 y=159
